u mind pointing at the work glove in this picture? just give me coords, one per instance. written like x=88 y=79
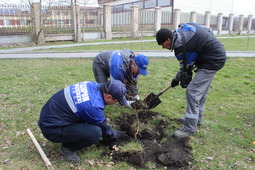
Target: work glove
x=116 y=135
x=174 y=83
x=119 y=135
x=185 y=79
x=136 y=97
x=129 y=103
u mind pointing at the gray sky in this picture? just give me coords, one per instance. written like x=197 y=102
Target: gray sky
x=246 y=7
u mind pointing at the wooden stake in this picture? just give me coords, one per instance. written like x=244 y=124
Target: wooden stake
x=44 y=157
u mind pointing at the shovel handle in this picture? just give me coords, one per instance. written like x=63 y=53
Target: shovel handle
x=164 y=90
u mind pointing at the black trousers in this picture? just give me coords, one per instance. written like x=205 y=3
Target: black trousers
x=100 y=70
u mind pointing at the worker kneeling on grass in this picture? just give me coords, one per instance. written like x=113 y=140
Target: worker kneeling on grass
x=74 y=116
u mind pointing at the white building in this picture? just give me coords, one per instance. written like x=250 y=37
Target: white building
x=236 y=7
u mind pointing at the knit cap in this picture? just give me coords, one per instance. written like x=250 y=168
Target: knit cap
x=162 y=35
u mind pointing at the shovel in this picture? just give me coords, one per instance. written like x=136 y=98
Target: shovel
x=152 y=100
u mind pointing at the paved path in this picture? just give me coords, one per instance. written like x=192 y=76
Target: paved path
x=91 y=54
x=28 y=52
x=29 y=49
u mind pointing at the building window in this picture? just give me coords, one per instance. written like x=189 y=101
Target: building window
x=118 y=8
x=139 y=4
x=127 y=7
x=164 y=2
x=150 y=4
x=146 y=4
x=6 y=22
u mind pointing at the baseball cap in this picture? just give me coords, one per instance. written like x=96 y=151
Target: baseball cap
x=117 y=90
x=142 y=63
x=162 y=35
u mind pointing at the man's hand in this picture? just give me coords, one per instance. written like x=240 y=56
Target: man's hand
x=116 y=135
x=174 y=83
x=129 y=103
x=119 y=134
x=136 y=97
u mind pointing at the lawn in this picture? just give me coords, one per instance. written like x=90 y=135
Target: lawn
x=238 y=43
x=223 y=142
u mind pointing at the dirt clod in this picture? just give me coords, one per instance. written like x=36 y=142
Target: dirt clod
x=135 y=158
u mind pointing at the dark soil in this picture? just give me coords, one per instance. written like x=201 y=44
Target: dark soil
x=138 y=105
x=173 y=153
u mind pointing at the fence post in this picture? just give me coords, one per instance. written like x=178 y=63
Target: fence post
x=240 y=24
x=249 y=24
x=193 y=16
x=177 y=18
x=134 y=21
x=37 y=23
x=219 y=23
x=207 y=18
x=107 y=22
x=78 y=23
x=73 y=20
x=158 y=16
x=75 y=10
x=231 y=23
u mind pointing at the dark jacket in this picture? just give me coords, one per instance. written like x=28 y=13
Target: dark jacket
x=78 y=103
x=203 y=48
x=117 y=65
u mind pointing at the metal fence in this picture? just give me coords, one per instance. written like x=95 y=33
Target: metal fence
x=213 y=21
x=185 y=17
x=18 y=20
x=146 y=20
x=91 y=20
x=57 y=19
x=121 y=21
x=200 y=19
x=15 y=19
x=166 y=19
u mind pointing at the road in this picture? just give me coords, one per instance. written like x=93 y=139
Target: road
x=92 y=54
x=29 y=52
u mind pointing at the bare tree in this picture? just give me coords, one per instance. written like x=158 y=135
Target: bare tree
x=70 y=2
x=76 y=17
x=45 y=11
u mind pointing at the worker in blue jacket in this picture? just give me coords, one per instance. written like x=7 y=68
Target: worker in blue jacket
x=75 y=118
x=194 y=46
x=123 y=65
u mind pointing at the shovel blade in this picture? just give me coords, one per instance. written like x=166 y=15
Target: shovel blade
x=152 y=101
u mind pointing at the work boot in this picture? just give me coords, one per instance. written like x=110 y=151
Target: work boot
x=181 y=120
x=69 y=155
x=182 y=134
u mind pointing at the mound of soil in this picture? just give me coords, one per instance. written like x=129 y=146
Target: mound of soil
x=174 y=153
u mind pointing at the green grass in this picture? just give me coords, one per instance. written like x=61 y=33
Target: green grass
x=231 y=44
x=223 y=142
x=240 y=43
